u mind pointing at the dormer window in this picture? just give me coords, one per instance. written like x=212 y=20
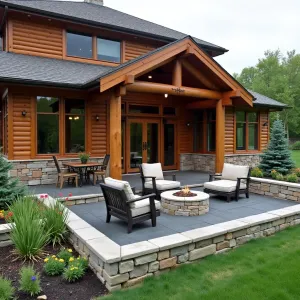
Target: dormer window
x=79 y=45
x=108 y=50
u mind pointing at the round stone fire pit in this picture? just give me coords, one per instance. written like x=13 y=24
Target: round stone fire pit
x=185 y=206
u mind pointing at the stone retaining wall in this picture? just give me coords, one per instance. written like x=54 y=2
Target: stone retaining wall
x=40 y=171
x=275 y=188
x=4 y=235
x=83 y=199
x=206 y=162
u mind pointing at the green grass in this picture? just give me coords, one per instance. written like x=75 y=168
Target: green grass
x=296 y=157
x=267 y=268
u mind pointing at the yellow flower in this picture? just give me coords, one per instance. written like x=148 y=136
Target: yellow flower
x=61 y=260
x=53 y=256
x=56 y=258
x=71 y=259
x=46 y=259
x=70 y=250
x=72 y=269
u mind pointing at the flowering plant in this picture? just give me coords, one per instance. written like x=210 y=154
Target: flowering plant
x=65 y=254
x=73 y=273
x=1 y=214
x=29 y=281
x=54 y=266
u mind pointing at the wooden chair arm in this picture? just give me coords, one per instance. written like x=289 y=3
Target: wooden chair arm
x=142 y=198
x=148 y=177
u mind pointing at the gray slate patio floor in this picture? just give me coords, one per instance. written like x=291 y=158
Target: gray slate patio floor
x=220 y=211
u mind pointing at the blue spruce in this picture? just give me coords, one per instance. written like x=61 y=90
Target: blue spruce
x=277 y=156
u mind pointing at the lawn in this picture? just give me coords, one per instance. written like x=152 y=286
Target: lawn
x=267 y=268
x=296 y=157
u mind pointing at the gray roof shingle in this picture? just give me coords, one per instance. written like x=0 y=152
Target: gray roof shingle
x=48 y=71
x=105 y=16
x=261 y=100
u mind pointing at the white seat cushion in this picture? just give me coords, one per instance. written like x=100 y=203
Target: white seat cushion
x=143 y=207
x=233 y=172
x=124 y=185
x=153 y=170
x=223 y=185
x=163 y=185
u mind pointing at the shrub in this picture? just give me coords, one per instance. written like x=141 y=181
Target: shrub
x=82 y=261
x=292 y=178
x=10 y=188
x=28 y=233
x=54 y=266
x=257 y=172
x=297 y=171
x=65 y=254
x=296 y=146
x=73 y=273
x=6 y=289
x=274 y=174
x=29 y=281
x=279 y=177
x=55 y=218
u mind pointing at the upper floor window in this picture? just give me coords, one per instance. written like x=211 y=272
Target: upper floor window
x=79 y=45
x=246 y=130
x=108 y=50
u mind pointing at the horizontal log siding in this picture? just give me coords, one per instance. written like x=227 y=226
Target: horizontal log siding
x=36 y=39
x=185 y=133
x=22 y=134
x=229 y=130
x=264 y=130
x=133 y=50
x=99 y=129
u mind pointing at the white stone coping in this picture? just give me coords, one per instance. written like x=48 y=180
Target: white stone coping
x=200 y=196
x=276 y=182
x=110 y=252
x=80 y=197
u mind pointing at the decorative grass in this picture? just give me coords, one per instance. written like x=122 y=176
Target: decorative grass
x=265 y=269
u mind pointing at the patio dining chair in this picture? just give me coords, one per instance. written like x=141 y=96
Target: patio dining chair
x=101 y=171
x=153 y=180
x=233 y=181
x=64 y=175
x=122 y=203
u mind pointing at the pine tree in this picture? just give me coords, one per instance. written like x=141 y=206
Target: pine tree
x=10 y=188
x=277 y=156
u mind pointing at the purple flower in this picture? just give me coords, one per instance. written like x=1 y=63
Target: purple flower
x=33 y=278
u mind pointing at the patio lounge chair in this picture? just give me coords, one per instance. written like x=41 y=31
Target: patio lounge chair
x=153 y=180
x=101 y=171
x=233 y=181
x=62 y=176
x=123 y=204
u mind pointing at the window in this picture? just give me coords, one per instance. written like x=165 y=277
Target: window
x=169 y=111
x=246 y=126
x=108 y=50
x=74 y=126
x=143 y=109
x=79 y=45
x=211 y=130
x=47 y=125
x=198 y=131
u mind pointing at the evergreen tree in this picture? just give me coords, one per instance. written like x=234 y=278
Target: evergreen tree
x=10 y=188
x=277 y=156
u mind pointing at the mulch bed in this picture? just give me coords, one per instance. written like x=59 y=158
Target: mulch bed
x=54 y=287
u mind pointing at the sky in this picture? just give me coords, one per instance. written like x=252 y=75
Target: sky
x=247 y=28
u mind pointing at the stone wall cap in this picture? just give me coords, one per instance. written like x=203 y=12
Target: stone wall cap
x=294 y=208
x=105 y=248
x=283 y=212
x=259 y=219
x=77 y=224
x=137 y=249
x=171 y=241
x=276 y=182
x=72 y=216
x=89 y=233
x=233 y=225
x=204 y=233
x=4 y=228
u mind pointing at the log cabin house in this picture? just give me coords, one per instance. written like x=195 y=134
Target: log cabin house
x=80 y=76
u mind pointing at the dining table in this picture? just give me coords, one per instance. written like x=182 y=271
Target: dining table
x=82 y=169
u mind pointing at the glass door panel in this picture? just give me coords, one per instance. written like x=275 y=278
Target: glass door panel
x=136 y=144
x=169 y=145
x=152 y=143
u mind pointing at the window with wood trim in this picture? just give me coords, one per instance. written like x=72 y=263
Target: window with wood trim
x=108 y=50
x=79 y=45
x=198 y=131
x=47 y=125
x=246 y=130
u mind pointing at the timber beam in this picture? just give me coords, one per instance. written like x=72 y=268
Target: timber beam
x=159 y=88
x=220 y=137
x=202 y=104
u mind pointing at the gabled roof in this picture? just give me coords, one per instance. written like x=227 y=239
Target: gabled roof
x=261 y=100
x=103 y=16
x=21 y=68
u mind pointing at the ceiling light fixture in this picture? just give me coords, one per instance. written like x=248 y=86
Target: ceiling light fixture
x=166 y=95
x=150 y=76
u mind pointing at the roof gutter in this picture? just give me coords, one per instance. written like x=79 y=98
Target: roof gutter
x=4 y=18
x=116 y=28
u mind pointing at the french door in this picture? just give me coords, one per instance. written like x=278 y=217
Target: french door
x=169 y=145
x=143 y=142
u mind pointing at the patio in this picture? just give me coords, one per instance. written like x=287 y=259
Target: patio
x=185 y=177
x=220 y=211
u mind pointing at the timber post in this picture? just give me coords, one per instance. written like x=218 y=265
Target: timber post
x=220 y=136
x=115 y=135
